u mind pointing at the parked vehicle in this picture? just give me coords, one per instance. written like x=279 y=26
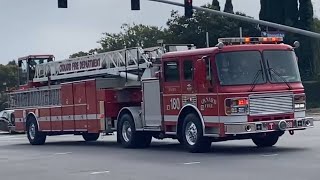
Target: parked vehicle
x=7 y=121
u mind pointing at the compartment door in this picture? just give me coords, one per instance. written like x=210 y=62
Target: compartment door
x=151 y=103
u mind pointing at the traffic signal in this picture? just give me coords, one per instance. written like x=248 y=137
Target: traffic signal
x=188 y=10
x=135 y=4
x=62 y=3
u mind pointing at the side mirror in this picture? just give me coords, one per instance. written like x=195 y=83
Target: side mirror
x=296 y=45
x=200 y=71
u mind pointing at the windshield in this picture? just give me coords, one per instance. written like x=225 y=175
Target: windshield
x=282 y=66
x=240 y=68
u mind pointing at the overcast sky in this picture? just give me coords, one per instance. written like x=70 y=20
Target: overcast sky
x=39 y=27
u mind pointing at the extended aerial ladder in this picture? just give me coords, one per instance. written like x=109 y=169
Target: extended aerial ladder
x=125 y=63
x=118 y=69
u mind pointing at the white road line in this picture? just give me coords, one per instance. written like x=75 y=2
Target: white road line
x=190 y=163
x=269 y=155
x=62 y=153
x=10 y=139
x=99 y=172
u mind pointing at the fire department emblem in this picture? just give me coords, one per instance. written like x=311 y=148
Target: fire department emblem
x=207 y=103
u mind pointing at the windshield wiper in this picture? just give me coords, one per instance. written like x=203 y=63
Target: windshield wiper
x=255 y=79
x=284 y=80
x=256 y=76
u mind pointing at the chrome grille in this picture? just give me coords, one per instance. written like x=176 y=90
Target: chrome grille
x=270 y=103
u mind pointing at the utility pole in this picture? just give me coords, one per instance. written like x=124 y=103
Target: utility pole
x=247 y=19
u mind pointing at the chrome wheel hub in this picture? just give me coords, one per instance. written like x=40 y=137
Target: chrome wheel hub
x=32 y=131
x=191 y=133
x=126 y=131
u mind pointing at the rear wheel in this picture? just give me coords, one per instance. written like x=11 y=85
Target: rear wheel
x=129 y=137
x=90 y=136
x=266 y=141
x=35 y=137
x=192 y=134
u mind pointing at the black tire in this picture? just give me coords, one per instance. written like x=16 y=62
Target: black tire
x=180 y=139
x=144 y=140
x=201 y=143
x=35 y=137
x=266 y=141
x=91 y=136
x=134 y=139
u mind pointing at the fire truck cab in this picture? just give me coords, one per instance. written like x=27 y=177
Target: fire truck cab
x=244 y=88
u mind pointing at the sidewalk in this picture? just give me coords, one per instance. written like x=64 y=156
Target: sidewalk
x=316 y=117
x=315 y=113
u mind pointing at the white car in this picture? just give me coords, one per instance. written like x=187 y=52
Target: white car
x=7 y=121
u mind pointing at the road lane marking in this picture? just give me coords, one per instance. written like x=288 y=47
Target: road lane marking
x=12 y=137
x=190 y=163
x=99 y=172
x=63 y=153
x=269 y=155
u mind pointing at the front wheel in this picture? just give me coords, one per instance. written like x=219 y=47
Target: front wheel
x=35 y=137
x=192 y=134
x=266 y=141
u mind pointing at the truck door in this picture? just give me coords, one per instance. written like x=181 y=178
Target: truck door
x=187 y=84
x=171 y=89
x=207 y=97
x=188 y=88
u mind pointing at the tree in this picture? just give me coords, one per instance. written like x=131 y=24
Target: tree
x=228 y=7
x=307 y=51
x=215 y=5
x=9 y=79
x=288 y=13
x=272 y=10
x=180 y=30
x=13 y=62
x=78 y=54
x=315 y=50
x=183 y=30
x=130 y=36
x=306 y=14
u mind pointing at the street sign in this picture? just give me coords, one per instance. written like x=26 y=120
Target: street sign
x=273 y=34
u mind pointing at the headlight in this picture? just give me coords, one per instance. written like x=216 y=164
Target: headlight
x=236 y=106
x=299 y=102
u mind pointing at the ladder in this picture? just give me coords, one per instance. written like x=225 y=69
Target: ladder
x=114 y=63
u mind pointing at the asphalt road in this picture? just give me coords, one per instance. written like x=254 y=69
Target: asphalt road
x=69 y=158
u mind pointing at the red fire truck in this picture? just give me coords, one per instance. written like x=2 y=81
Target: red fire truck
x=243 y=88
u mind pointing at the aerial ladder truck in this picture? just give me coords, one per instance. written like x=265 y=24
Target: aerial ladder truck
x=197 y=96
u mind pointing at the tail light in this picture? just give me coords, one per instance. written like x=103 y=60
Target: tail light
x=236 y=106
x=299 y=102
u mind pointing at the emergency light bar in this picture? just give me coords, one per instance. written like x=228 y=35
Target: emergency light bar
x=251 y=40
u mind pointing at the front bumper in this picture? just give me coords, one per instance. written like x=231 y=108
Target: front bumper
x=268 y=126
